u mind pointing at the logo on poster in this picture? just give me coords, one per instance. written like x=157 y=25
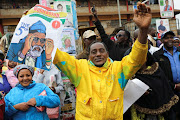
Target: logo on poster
x=56 y=24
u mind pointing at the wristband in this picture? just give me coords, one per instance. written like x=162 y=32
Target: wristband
x=48 y=60
x=21 y=55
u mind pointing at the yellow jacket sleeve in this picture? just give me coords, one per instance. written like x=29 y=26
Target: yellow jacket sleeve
x=131 y=63
x=70 y=66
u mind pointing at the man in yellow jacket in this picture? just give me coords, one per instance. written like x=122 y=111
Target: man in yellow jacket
x=99 y=81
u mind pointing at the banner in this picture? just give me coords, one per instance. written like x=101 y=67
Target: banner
x=162 y=25
x=34 y=39
x=166 y=8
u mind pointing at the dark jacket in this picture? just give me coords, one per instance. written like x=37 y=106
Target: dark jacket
x=83 y=55
x=164 y=64
x=116 y=51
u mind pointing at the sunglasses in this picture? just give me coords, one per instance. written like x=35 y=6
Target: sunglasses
x=119 y=35
x=42 y=40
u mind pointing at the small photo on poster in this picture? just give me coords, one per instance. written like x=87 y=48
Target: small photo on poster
x=63 y=6
x=162 y=25
x=166 y=8
x=67 y=41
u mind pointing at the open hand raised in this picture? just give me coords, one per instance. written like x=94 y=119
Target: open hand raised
x=142 y=16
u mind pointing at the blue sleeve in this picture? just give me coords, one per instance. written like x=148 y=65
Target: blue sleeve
x=9 y=109
x=51 y=100
x=13 y=52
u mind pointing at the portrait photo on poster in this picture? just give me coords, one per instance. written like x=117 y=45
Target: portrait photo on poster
x=67 y=41
x=162 y=25
x=166 y=8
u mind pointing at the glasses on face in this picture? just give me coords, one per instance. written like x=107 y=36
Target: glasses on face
x=119 y=35
x=42 y=40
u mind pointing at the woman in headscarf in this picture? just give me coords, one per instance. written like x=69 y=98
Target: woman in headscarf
x=22 y=101
x=157 y=102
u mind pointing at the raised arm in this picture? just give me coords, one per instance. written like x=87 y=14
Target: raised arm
x=137 y=57
x=105 y=38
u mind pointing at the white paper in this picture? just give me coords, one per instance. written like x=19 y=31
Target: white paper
x=132 y=92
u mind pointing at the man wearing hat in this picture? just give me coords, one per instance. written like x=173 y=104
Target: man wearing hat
x=176 y=42
x=33 y=50
x=168 y=57
x=88 y=37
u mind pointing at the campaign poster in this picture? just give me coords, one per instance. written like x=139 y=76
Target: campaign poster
x=68 y=6
x=67 y=41
x=34 y=39
x=166 y=8
x=162 y=25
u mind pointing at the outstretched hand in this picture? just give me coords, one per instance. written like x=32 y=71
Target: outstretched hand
x=49 y=46
x=142 y=16
x=28 y=42
x=94 y=12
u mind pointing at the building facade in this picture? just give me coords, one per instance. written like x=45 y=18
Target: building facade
x=12 y=10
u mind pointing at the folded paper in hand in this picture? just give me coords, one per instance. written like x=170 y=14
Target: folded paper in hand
x=41 y=108
x=133 y=91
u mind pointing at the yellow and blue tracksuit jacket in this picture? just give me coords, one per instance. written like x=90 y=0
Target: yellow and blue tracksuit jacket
x=100 y=89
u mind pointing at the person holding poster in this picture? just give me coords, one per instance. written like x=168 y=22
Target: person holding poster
x=33 y=46
x=99 y=81
x=167 y=7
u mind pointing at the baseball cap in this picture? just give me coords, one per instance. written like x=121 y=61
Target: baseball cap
x=166 y=33
x=88 y=34
x=176 y=38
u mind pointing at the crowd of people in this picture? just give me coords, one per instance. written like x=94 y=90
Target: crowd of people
x=100 y=74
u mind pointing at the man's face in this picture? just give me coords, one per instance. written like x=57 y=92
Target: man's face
x=176 y=42
x=161 y=22
x=98 y=54
x=168 y=41
x=167 y=3
x=121 y=37
x=88 y=41
x=38 y=44
x=60 y=8
x=67 y=42
x=12 y=64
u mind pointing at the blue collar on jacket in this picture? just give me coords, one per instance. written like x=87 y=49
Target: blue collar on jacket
x=106 y=64
x=28 y=87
